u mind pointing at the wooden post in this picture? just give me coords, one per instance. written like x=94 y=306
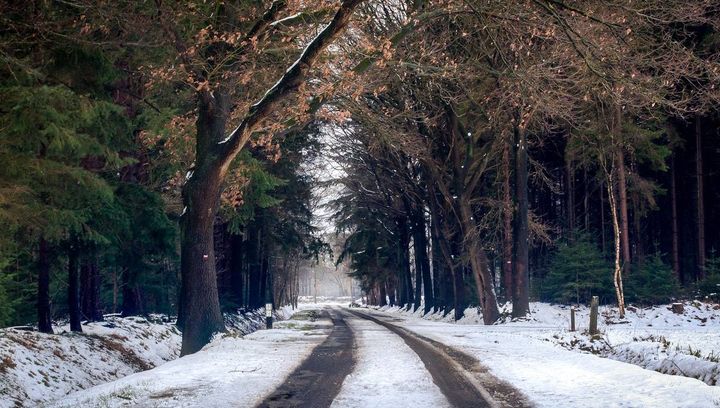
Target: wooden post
x=594 y=316
x=572 y=319
x=678 y=308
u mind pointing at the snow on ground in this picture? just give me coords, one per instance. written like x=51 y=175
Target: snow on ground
x=37 y=367
x=233 y=370
x=387 y=373
x=557 y=368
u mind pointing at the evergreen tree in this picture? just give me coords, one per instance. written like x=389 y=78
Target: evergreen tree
x=652 y=282
x=577 y=272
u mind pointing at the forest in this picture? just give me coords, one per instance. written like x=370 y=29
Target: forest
x=172 y=157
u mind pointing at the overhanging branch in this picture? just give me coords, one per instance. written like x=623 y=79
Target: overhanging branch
x=287 y=84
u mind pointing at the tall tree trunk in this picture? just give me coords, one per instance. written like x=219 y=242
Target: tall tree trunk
x=383 y=294
x=132 y=302
x=428 y=289
x=458 y=279
x=507 y=230
x=602 y=220
x=422 y=261
x=200 y=317
x=400 y=280
x=638 y=250
x=454 y=281
x=115 y=289
x=43 y=289
x=418 y=270
x=254 y=265
x=623 y=209
x=390 y=284
x=236 y=270
x=478 y=263
x=586 y=200
x=437 y=271
x=521 y=292
x=570 y=202
x=673 y=204
x=622 y=191
x=73 y=288
x=90 y=288
x=617 y=275
x=700 y=198
x=440 y=272
x=404 y=254
x=268 y=272
x=265 y=278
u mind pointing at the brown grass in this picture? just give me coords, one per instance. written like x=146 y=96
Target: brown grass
x=6 y=363
x=125 y=354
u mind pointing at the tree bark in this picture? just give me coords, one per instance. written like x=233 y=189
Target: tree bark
x=115 y=289
x=570 y=191
x=507 y=231
x=602 y=220
x=617 y=275
x=404 y=248
x=392 y=301
x=622 y=191
x=638 y=250
x=700 y=198
x=200 y=316
x=443 y=287
x=43 y=289
x=422 y=261
x=132 y=304
x=236 y=270
x=673 y=204
x=586 y=200
x=90 y=288
x=521 y=293
x=254 y=264
x=479 y=265
x=418 y=268
x=450 y=249
x=73 y=288
x=623 y=209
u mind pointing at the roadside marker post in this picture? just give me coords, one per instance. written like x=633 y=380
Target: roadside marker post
x=268 y=315
x=572 y=319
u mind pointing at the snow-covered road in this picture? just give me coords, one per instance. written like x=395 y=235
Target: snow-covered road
x=391 y=369
x=387 y=373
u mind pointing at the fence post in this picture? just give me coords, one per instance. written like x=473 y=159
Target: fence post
x=572 y=318
x=594 y=315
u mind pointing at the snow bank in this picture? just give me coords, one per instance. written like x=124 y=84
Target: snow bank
x=233 y=370
x=37 y=367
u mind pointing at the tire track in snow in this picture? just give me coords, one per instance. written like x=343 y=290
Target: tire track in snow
x=461 y=378
x=388 y=373
x=318 y=379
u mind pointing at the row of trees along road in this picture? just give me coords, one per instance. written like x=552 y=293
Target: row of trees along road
x=497 y=131
x=471 y=133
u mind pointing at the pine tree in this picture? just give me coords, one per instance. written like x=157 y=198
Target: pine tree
x=577 y=272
